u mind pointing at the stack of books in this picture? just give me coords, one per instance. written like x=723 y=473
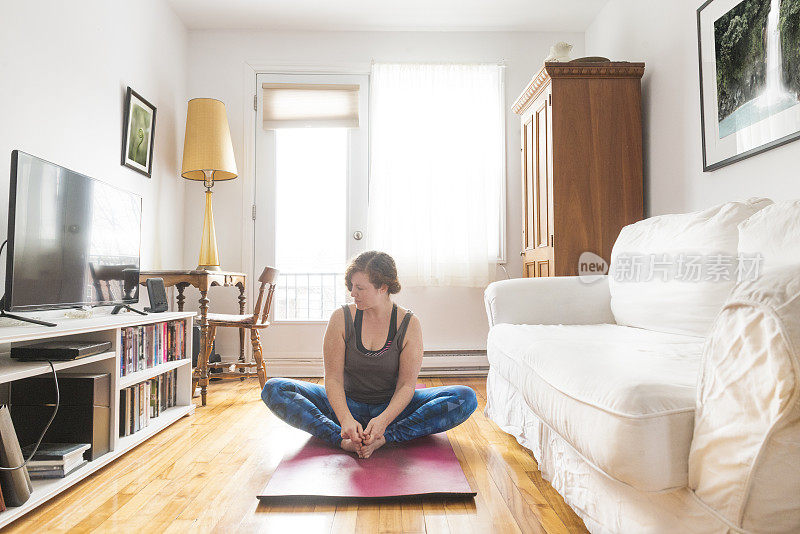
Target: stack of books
x=55 y=460
x=146 y=400
x=146 y=346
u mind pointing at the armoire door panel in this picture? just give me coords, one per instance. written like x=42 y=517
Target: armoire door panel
x=543 y=268
x=528 y=195
x=541 y=177
x=538 y=262
x=550 y=182
x=529 y=270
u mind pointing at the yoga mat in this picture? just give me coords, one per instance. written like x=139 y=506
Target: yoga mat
x=422 y=466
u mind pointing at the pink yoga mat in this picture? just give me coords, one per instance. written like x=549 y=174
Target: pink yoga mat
x=422 y=466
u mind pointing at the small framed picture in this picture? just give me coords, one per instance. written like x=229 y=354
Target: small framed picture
x=749 y=77
x=138 y=133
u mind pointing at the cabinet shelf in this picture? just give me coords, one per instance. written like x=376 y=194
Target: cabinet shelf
x=11 y=369
x=150 y=372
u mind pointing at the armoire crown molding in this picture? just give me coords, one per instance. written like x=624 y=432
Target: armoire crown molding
x=554 y=69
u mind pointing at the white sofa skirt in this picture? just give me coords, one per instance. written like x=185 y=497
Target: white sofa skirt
x=604 y=504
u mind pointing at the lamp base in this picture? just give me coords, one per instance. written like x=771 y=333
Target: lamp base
x=209 y=258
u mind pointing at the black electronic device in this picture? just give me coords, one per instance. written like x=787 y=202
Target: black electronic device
x=72 y=240
x=83 y=415
x=59 y=350
x=157 y=295
x=214 y=357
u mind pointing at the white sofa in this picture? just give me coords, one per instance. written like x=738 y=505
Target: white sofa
x=654 y=402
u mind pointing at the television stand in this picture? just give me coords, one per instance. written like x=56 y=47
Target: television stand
x=100 y=328
x=119 y=307
x=26 y=319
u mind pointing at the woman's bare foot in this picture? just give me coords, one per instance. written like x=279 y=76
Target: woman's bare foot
x=367 y=450
x=350 y=446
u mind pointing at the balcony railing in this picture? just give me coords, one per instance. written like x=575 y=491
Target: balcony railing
x=308 y=296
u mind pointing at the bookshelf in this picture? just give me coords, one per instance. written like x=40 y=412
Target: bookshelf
x=98 y=328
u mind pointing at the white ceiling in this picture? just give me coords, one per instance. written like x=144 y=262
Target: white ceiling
x=385 y=15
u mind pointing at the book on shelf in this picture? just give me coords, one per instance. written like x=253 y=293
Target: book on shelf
x=56 y=460
x=56 y=452
x=141 y=402
x=16 y=485
x=55 y=472
x=146 y=346
x=137 y=424
x=144 y=401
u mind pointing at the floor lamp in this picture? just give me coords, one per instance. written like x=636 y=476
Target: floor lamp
x=208 y=157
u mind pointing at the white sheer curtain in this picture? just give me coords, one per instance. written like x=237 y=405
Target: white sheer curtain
x=437 y=168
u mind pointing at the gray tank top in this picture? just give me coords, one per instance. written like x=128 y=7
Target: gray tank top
x=371 y=379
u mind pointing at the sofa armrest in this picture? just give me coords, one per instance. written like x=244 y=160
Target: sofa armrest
x=556 y=300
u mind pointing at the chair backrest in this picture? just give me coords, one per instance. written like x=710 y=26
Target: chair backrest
x=269 y=277
x=106 y=279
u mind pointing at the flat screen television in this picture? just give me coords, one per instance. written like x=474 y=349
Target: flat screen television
x=72 y=240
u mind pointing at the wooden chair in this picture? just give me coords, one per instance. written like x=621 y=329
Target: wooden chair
x=255 y=322
x=113 y=282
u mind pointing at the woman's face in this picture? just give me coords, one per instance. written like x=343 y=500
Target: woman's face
x=364 y=293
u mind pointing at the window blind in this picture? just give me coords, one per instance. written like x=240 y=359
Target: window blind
x=294 y=105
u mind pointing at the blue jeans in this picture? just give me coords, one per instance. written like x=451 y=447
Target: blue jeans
x=305 y=406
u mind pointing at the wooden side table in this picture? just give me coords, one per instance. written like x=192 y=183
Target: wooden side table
x=202 y=280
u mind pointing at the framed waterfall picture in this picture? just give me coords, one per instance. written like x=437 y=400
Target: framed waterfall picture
x=138 y=133
x=749 y=77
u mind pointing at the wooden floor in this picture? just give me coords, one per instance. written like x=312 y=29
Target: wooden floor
x=202 y=475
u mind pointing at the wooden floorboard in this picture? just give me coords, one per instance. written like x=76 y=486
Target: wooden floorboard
x=202 y=474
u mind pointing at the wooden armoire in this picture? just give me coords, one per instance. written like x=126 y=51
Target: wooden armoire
x=581 y=162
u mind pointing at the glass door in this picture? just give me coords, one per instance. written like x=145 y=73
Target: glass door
x=310 y=189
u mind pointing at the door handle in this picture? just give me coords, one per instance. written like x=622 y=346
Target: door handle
x=357 y=235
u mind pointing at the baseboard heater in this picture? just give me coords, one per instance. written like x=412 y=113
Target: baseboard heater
x=435 y=371
x=434 y=362
x=462 y=362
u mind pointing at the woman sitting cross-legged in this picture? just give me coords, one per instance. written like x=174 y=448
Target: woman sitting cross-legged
x=371 y=368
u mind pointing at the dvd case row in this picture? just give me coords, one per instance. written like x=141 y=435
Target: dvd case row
x=146 y=400
x=146 y=346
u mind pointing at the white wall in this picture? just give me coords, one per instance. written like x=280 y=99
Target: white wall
x=64 y=69
x=452 y=318
x=664 y=36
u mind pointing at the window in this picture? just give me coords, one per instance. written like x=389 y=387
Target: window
x=437 y=171
x=310 y=220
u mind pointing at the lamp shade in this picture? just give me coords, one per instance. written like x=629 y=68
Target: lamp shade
x=207 y=145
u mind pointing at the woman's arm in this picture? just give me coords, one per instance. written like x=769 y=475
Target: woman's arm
x=410 y=364
x=333 y=348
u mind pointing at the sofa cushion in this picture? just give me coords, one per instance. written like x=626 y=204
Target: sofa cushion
x=774 y=234
x=622 y=397
x=672 y=273
x=745 y=455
